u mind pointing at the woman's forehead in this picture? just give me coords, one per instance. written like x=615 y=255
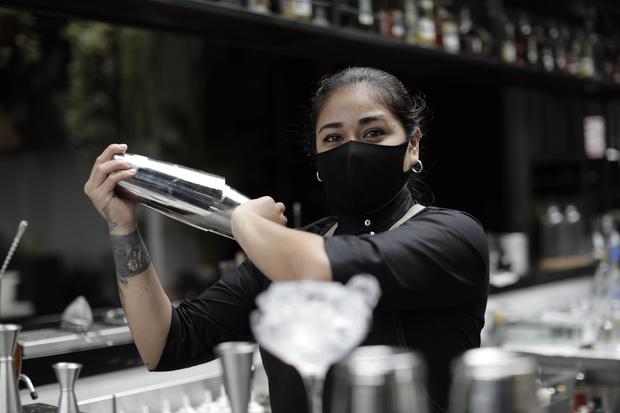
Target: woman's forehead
x=352 y=102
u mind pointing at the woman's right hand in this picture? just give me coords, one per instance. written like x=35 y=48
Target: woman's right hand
x=106 y=173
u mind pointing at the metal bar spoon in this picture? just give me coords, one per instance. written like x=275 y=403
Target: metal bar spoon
x=20 y=231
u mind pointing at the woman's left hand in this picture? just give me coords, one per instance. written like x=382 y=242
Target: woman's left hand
x=264 y=207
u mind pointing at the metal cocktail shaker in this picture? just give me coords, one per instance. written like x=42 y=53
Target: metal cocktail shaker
x=380 y=379
x=193 y=197
x=490 y=380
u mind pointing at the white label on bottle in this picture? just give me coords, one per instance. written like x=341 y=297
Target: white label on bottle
x=302 y=8
x=427 y=31
x=587 y=66
x=547 y=60
x=451 y=44
x=509 y=52
x=594 y=136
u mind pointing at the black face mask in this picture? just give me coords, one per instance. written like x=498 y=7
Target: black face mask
x=361 y=178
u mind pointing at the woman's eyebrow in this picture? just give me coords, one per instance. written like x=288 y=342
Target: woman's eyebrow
x=333 y=125
x=369 y=119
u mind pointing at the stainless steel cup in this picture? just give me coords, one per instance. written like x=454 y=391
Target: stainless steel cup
x=193 y=197
x=491 y=380
x=380 y=379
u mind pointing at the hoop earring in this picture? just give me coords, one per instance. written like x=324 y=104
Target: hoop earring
x=318 y=178
x=419 y=169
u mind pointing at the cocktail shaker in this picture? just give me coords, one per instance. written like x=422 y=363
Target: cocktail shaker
x=491 y=380
x=193 y=197
x=380 y=379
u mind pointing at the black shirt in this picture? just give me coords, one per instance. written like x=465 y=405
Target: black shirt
x=433 y=272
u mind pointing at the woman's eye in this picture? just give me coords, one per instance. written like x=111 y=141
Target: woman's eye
x=373 y=133
x=331 y=138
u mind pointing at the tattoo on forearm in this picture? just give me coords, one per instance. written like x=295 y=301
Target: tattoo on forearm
x=111 y=224
x=130 y=255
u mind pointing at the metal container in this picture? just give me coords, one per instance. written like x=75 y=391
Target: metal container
x=491 y=380
x=192 y=197
x=236 y=359
x=380 y=379
x=67 y=374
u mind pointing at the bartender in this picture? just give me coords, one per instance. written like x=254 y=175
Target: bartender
x=431 y=263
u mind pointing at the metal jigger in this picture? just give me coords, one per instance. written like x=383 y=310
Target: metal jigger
x=67 y=373
x=236 y=359
x=9 y=395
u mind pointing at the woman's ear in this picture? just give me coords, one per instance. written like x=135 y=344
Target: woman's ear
x=415 y=140
x=413 y=150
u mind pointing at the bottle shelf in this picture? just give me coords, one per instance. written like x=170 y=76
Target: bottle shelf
x=239 y=27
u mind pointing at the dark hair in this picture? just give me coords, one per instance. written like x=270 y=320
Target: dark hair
x=408 y=109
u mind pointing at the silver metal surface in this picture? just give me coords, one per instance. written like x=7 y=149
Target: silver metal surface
x=53 y=341
x=380 y=379
x=193 y=197
x=9 y=393
x=236 y=359
x=67 y=374
x=28 y=383
x=491 y=380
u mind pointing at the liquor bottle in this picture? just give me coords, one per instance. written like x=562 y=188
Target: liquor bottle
x=594 y=52
x=320 y=13
x=447 y=27
x=564 y=56
x=469 y=39
x=411 y=20
x=580 y=398
x=487 y=20
x=365 y=17
x=612 y=59
x=555 y=43
x=609 y=44
x=533 y=53
x=508 y=45
x=575 y=53
x=545 y=42
x=427 y=33
x=526 y=53
x=392 y=19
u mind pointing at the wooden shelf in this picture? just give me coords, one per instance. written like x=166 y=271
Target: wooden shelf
x=239 y=27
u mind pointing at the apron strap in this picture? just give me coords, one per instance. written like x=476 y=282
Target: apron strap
x=413 y=211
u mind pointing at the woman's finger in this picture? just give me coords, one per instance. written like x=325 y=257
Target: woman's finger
x=115 y=177
x=101 y=171
x=107 y=154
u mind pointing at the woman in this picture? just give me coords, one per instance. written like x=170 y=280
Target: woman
x=432 y=267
